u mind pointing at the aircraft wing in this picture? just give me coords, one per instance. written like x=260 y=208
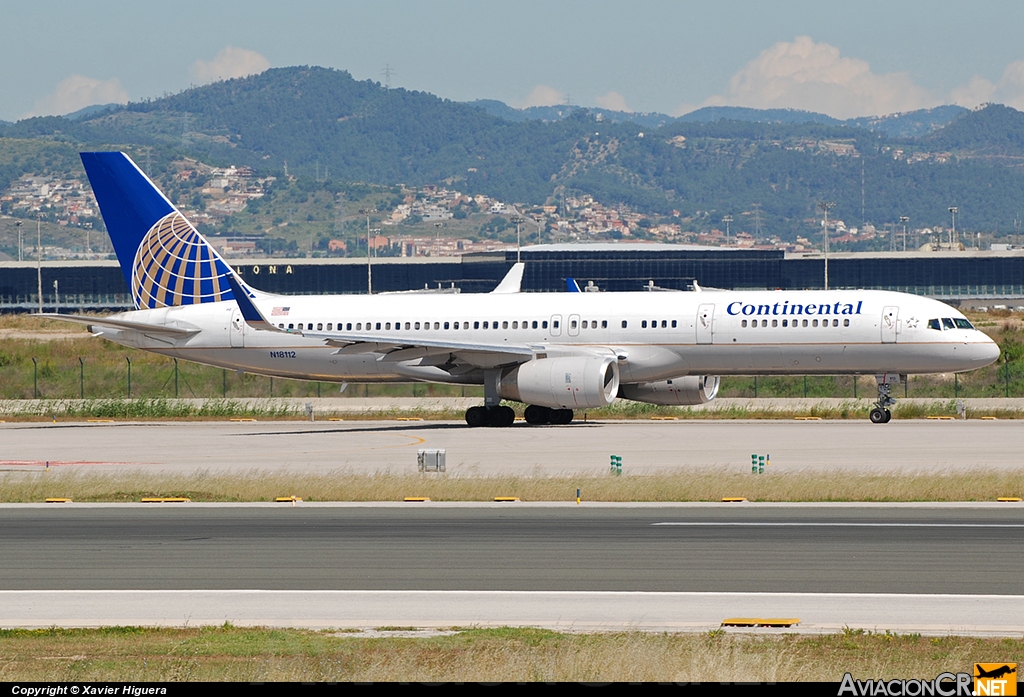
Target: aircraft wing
x=151 y=329
x=395 y=347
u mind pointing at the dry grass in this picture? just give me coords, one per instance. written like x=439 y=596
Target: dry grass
x=504 y=654
x=701 y=485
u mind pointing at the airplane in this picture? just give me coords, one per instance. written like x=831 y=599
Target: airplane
x=554 y=352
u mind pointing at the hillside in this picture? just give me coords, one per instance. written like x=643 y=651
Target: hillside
x=767 y=169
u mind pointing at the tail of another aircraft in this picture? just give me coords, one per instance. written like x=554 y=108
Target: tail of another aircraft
x=165 y=260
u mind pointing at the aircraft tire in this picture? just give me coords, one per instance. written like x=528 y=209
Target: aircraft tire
x=537 y=416
x=476 y=416
x=561 y=417
x=888 y=416
x=877 y=416
x=501 y=416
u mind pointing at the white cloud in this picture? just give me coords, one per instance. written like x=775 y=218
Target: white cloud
x=541 y=95
x=76 y=92
x=813 y=76
x=1008 y=90
x=230 y=62
x=612 y=101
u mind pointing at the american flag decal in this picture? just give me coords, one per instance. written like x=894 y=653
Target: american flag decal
x=278 y=311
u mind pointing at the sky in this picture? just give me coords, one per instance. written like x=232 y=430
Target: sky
x=844 y=59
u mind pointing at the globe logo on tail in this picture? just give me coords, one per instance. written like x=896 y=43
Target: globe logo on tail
x=175 y=265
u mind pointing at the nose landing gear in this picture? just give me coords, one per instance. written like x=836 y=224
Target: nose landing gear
x=881 y=414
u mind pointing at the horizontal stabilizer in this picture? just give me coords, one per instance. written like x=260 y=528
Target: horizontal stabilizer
x=122 y=324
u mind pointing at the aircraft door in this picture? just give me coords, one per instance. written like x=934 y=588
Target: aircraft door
x=556 y=325
x=574 y=325
x=890 y=324
x=236 y=331
x=706 y=323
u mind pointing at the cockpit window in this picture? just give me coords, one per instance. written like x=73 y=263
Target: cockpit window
x=935 y=324
x=962 y=323
x=947 y=323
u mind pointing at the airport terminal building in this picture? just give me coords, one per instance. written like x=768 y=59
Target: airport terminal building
x=968 y=278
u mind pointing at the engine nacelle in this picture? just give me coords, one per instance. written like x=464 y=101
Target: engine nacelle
x=692 y=389
x=574 y=382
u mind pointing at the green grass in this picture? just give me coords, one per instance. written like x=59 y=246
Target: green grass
x=228 y=653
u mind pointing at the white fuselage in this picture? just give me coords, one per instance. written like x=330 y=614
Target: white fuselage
x=655 y=335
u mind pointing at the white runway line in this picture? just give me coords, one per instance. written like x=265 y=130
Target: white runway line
x=939 y=614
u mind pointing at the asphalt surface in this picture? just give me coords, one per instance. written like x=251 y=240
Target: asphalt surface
x=763 y=549
x=645 y=446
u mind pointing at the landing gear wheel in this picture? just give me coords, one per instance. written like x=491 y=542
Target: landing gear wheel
x=476 y=416
x=561 y=417
x=880 y=413
x=501 y=416
x=536 y=416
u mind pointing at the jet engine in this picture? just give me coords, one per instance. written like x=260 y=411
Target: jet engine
x=573 y=382
x=692 y=389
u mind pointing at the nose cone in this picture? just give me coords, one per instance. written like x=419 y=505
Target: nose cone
x=983 y=352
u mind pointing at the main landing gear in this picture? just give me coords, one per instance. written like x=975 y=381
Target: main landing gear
x=880 y=414
x=505 y=416
x=493 y=414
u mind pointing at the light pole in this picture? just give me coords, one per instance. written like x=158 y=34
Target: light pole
x=437 y=237
x=518 y=220
x=18 y=225
x=39 y=260
x=904 y=219
x=727 y=219
x=953 y=210
x=825 y=207
x=369 y=268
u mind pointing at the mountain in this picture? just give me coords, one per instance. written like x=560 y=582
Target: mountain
x=559 y=112
x=710 y=114
x=326 y=129
x=993 y=131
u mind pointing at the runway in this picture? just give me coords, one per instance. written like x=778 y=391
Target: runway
x=645 y=446
x=928 y=568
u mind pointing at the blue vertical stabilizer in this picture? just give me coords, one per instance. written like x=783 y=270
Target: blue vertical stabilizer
x=165 y=260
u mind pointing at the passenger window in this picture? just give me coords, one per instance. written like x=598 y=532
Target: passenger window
x=775 y=322
x=407 y=325
x=476 y=325
x=584 y=324
x=388 y=325
x=504 y=325
x=947 y=323
x=814 y=323
x=604 y=324
x=515 y=325
x=378 y=326
x=805 y=323
x=624 y=324
x=785 y=323
x=359 y=326
x=280 y=326
x=437 y=325
x=445 y=325
x=673 y=324
x=348 y=327
x=544 y=324
x=329 y=326
x=534 y=324
x=743 y=323
x=292 y=326
x=486 y=325
x=456 y=325
x=555 y=324
x=572 y=324
x=643 y=324
x=835 y=323
x=846 y=322
x=664 y=324
x=764 y=323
